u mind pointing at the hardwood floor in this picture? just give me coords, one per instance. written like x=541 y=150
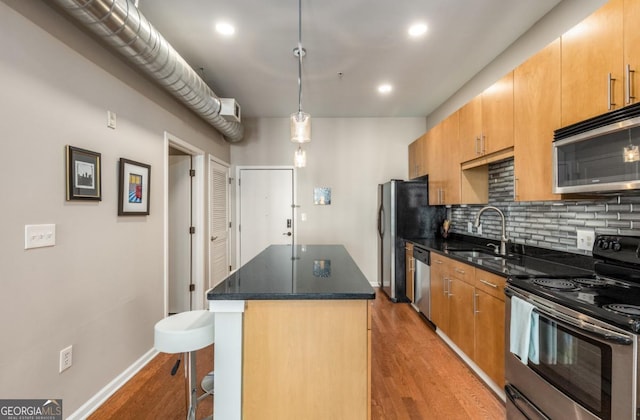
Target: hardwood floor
x=414 y=376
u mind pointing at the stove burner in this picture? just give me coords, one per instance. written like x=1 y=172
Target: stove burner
x=630 y=310
x=590 y=282
x=556 y=284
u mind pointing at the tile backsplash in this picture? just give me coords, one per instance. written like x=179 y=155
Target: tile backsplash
x=546 y=224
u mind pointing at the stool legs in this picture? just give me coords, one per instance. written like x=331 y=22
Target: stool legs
x=190 y=384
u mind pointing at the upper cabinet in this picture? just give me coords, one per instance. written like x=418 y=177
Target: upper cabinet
x=418 y=157
x=486 y=122
x=442 y=159
x=631 y=17
x=593 y=64
x=536 y=89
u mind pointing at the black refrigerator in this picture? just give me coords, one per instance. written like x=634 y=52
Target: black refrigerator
x=403 y=213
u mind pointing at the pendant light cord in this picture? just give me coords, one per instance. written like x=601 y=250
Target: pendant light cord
x=300 y=53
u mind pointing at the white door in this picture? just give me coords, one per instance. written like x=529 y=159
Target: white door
x=266 y=210
x=218 y=222
x=179 y=237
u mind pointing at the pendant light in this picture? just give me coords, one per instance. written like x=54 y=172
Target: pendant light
x=300 y=158
x=300 y=121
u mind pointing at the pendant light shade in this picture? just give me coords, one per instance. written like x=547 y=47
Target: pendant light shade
x=300 y=127
x=300 y=158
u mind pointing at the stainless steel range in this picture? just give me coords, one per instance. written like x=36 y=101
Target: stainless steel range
x=582 y=358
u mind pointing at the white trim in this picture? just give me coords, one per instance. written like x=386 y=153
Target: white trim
x=226 y=306
x=237 y=199
x=199 y=204
x=103 y=395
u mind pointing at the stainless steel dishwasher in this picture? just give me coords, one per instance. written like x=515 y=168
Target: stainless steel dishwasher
x=422 y=280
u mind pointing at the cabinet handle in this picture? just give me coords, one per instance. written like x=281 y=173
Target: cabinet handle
x=458 y=270
x=438 y=261
x=610 y=103
x=445 y=284
x=477 y=145
x=449 y=291
x=482 y=145
x=475 y=303
x=628 y=96
x=495 y=286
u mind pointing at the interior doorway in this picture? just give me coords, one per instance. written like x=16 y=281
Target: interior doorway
x=184 y=226
x=265 y=209
x=218 y=221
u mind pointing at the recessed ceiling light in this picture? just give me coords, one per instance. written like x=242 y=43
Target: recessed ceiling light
x=417 y=30
x=385 y=88
x=224 y=28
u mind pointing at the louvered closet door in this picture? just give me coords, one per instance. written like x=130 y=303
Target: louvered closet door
x=219 y=222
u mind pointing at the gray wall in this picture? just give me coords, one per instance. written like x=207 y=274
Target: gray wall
x=547 y=224
x=100 y=288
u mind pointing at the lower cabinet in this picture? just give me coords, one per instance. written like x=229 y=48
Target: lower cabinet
x=467 y=304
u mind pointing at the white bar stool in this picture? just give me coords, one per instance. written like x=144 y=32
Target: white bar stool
x=185 y=333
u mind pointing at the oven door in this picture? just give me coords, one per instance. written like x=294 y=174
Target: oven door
x=586 y=369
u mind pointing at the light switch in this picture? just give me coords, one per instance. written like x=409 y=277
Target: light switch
x=111 y=119
x=38 y=236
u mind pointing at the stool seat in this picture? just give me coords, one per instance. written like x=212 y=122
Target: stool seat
x=184 y=332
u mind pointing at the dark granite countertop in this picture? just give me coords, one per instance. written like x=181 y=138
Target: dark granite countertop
x=299 y=272
x=524 y=260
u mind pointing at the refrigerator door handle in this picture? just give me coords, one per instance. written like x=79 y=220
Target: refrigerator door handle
x=381 y=221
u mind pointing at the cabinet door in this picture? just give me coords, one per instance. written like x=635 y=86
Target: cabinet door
x=497 y=115
x=489 y=349
x=409 y=264
x=536 y=116
x=413 y=159
x=631 y=50
x=450 y=159
x=434 y=153
x=470 y=124
x=439 y=295
x=591 y=51
x=461 y=319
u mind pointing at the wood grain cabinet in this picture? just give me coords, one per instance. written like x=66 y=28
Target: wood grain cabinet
x=443 y=161
x=536 y=115
x=593 y=68
x=486 y=122
x=410 y=270
x=467 y=305
x=417 y=157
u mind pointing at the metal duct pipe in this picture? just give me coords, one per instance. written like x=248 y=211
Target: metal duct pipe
x=121 y=25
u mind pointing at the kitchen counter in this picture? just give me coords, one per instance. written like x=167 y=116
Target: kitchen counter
x=293 y=336
x=298 y=272
x=529 y=261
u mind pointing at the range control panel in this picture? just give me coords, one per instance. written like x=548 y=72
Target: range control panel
x=618 y=248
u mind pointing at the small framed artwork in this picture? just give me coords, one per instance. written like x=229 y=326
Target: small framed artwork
x=322 y=196
x=133 y=189
x=83 y=174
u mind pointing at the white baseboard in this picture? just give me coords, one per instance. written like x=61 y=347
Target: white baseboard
x=98 y=399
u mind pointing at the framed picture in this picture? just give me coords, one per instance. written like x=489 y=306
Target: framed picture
x=133 y=189
x=83 y=174
x=322 y=196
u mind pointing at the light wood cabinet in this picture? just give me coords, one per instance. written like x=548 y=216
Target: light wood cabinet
x=486 y=122
x=443 y=161
x=439 y=291
x=410 y=270
x=467 y=304
x=418 y=157
x=497 y=116
x=308 y=359
x=489 y=351
x=536 y=115
x=631 y=17
x=592 y=64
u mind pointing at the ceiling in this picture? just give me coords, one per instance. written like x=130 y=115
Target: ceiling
x=365 y=40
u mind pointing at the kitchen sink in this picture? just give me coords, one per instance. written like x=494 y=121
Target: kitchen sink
x=480 y=254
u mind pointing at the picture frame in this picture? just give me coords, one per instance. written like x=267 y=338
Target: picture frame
x=83 y=174
x=322 y=196
x=133 y=188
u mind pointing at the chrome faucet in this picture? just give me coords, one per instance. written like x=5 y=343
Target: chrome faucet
x=504 y=239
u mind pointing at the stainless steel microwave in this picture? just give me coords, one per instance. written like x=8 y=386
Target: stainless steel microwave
x=600 y=155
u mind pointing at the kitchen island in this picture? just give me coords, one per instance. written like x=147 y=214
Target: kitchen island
x=293 y=336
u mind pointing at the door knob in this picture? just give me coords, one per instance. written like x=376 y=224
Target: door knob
x=213 y=238
x=286 y=234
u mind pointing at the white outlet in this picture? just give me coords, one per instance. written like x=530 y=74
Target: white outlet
x=479 y=229
x=585 y=239
x=38 y=236
x=111 y=119
x=66 y=358
x=469 y=227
